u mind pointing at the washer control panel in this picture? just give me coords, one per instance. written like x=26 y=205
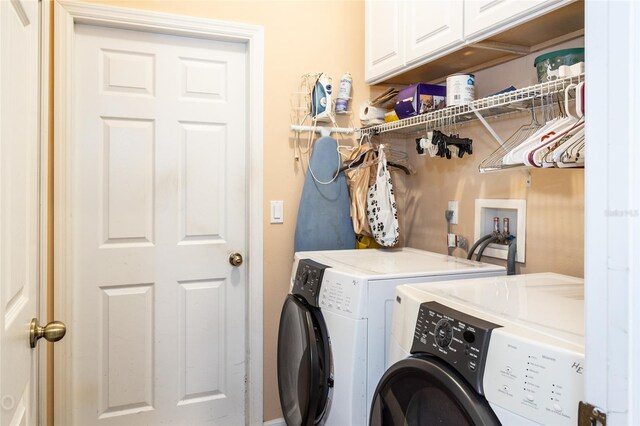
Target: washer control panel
x=308 y=280
x=541 y=381
x=459 y=339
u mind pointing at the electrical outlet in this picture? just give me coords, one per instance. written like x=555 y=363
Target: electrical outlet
x=453 y=206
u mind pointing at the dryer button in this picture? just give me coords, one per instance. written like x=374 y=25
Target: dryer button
x=557 y=407
x=530 y=397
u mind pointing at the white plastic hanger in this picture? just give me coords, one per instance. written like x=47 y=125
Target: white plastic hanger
x=553 y=153
x=535 y=151
x=514 y=157
x=576 y=140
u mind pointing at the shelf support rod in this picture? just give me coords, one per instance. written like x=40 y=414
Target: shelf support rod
x=486 y=125
x=527 y=174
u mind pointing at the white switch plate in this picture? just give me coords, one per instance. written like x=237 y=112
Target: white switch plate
x=277 y=211
x=453 y=205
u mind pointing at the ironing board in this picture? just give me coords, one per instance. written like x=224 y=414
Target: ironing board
x=324 y=221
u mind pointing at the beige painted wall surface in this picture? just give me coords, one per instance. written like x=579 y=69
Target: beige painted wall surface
x=300 y=37
x=555 y=199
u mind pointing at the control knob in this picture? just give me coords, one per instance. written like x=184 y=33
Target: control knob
x=443 y=333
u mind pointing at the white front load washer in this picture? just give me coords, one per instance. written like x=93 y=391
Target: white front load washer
x=504 y=350
x=335 y=327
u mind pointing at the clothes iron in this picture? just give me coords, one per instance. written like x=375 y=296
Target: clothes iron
x=321 y=99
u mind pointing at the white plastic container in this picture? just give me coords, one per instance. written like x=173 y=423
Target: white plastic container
x=460 y=89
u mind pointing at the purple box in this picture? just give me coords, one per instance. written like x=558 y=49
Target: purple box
x=420 y=98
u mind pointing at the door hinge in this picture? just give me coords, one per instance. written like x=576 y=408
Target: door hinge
x=589 y=415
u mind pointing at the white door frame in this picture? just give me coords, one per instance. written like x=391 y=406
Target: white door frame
x=612 y=210
x=67 y=14
x=43 y=182
x=43 y=248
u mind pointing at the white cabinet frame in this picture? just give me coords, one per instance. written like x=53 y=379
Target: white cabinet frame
x=612 y=210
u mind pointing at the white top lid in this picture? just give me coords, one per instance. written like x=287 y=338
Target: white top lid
x=548 y=303
x=396 y=263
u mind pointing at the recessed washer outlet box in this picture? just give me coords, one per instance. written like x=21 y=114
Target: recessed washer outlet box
x=515 y=211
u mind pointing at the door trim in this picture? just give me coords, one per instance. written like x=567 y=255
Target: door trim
x=45 y=217
x=66 y=15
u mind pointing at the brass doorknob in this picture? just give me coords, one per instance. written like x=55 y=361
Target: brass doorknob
x=52 y=332
x=235 y=259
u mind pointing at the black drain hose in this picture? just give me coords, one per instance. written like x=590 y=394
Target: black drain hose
x=485 y=244
x=476 y=244
x=511 y=257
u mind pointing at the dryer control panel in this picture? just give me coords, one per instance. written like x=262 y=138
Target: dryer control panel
x=459 y=339
x=308 y=280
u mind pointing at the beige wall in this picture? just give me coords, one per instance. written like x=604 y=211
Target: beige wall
x=300 y=37
x=555 y=199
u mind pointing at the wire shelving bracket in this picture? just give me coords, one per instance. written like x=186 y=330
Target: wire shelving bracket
x=492 y=106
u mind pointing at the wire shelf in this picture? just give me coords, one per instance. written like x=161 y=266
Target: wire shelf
x=492 y=106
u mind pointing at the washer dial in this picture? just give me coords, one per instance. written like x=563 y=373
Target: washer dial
x=443 y=333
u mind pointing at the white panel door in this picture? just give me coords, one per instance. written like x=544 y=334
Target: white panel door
x=484 y=16
x=432 y=27
x=19 y=207
x=383 y=38
x=158 y=203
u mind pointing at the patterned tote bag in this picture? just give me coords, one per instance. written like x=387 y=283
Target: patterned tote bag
x=381 y=205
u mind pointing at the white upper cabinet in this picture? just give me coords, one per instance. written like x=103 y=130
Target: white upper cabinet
x=431 y=27
x=405 y=35
x=384 y=44
x=484 y=16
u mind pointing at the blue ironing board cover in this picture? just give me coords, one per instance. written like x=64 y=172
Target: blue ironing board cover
x=324 y=220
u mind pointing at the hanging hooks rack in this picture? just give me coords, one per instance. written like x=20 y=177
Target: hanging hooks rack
x=323 y=130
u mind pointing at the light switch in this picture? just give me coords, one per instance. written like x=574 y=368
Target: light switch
x=277 y=211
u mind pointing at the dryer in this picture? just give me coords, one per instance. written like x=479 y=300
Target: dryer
x=502 y=350
x=335 y=326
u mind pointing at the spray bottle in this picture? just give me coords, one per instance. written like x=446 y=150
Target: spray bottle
x=343 y=93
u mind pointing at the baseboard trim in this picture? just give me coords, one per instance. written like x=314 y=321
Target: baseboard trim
x=275 y=422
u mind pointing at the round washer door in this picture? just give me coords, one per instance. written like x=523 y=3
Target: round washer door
x=424 y=391
x=304 y=363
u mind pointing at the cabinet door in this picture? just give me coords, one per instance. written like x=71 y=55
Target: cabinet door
x=432 y=27
x=384 y=50
x=482 y=17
